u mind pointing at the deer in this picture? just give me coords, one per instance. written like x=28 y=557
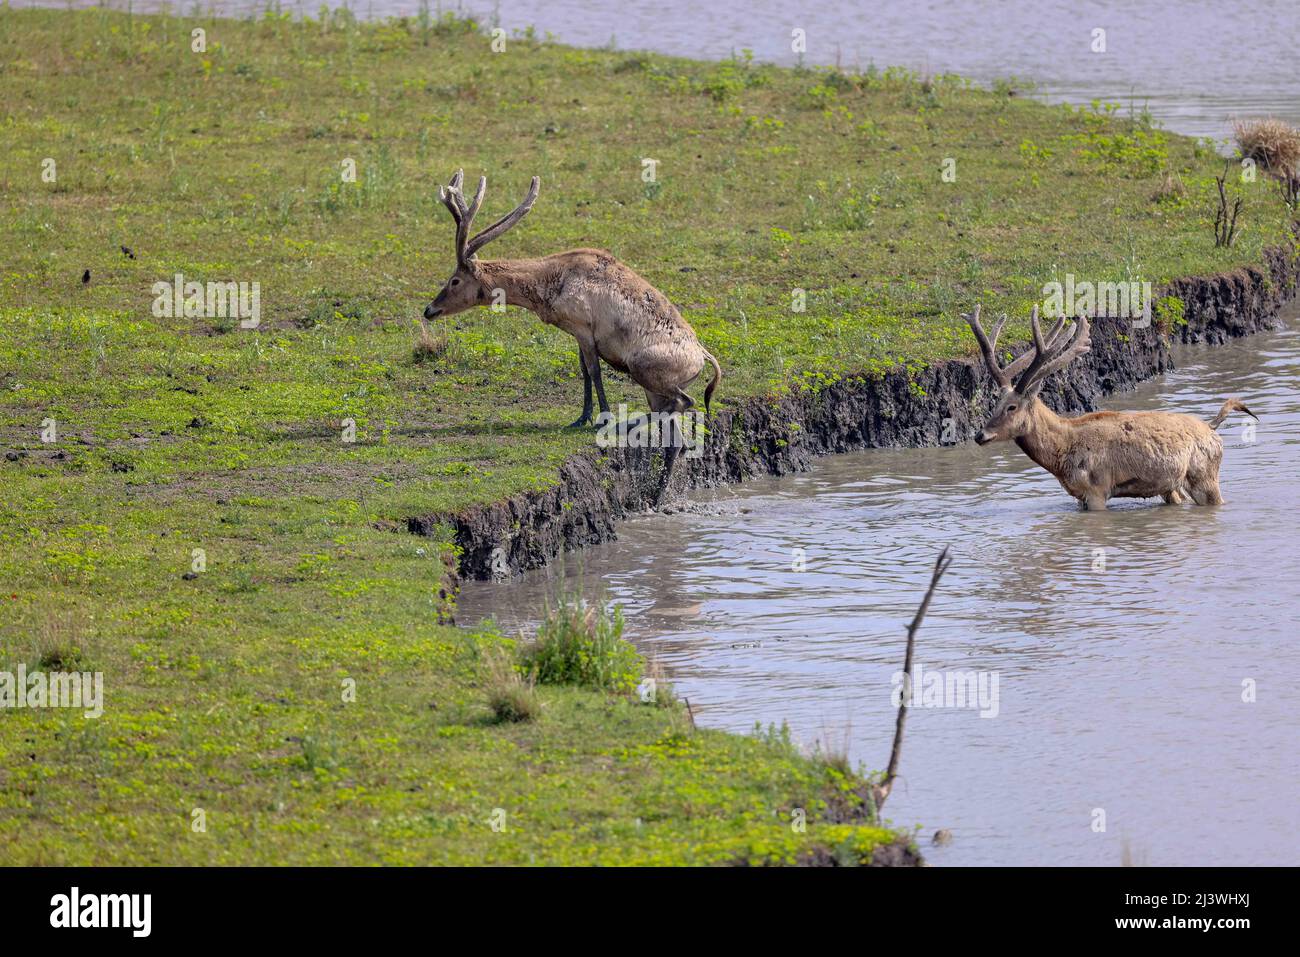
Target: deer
x=1100 y=455
x=613 y=313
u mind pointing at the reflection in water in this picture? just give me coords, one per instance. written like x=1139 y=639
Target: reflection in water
x=1120 y=639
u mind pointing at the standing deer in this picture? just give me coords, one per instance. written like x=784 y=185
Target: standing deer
x=612 y=312
x=1101 y=455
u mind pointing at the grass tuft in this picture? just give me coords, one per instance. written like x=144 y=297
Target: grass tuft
x=1272 y=143
x=430 y=347
x=579 y=643
x=510 y=695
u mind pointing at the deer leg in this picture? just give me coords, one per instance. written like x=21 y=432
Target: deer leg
x=585 y=418
x=600 y=383
x=670 y=459
x=664 y=407
x=1094 y=500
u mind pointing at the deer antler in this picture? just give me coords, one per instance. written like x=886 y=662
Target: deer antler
x=463 y=213
x=1026 y=358
x=1005 y=376
x=506 y=222
x=1061 y=349
x=454 y=199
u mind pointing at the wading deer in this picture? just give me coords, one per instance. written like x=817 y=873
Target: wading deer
x=613 y=313
x=1101 y=455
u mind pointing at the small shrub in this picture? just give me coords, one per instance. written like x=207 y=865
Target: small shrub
x=1034 y=154
x=833 y=755
x=733 y=76
x=776 y=738
x=636 y=63
x=1170 y=314
x=318 y=753
x=448 y=23
x=60 y=657
x=582 y=644
x=328 y=308
x=1138 y=152
x=836 y=759
x=60 y=645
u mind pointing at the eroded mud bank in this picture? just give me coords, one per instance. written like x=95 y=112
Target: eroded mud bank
x=767 y=436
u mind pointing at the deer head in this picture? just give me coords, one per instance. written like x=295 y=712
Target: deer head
x=1013 y=415
x=464 y=288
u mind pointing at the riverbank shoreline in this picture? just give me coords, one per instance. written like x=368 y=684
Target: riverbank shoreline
x=763 y=436
x=223 y=512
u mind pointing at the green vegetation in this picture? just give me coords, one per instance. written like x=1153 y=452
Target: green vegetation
x=579 y=644
x=200 y=528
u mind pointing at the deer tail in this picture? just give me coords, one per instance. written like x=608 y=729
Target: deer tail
x=717 y=377
x=1232 y=405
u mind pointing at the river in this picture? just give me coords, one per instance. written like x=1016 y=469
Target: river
x=1123 y=642
x=1195 y=64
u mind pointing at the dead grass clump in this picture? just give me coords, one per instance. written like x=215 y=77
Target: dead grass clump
x=1171 y=188
x=1271 y=143
x=430 y=346
x=511 y=697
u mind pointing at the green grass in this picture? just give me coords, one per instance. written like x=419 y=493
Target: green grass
x=226 y=690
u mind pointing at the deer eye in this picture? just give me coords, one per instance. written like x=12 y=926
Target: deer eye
x=455 y=282
x=1011 y=407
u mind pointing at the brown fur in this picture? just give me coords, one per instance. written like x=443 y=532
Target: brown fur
x=1101 y=455
x=613 y=313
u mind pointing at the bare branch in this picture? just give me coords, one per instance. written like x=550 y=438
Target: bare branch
x=1225 y=223
x=881 y=791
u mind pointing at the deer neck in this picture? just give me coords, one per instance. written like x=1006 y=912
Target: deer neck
x=522 y=280
x=1047 y=440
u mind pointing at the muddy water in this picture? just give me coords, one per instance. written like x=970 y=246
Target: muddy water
x=1120 y=641
x=1194 y=63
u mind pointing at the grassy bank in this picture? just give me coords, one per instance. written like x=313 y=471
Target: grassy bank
x=227 y=687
